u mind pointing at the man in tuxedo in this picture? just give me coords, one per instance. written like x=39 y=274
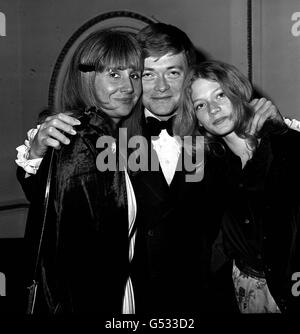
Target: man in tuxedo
x=177 y=221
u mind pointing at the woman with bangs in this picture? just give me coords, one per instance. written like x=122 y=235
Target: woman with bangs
x=261 y=221
x=88 y=239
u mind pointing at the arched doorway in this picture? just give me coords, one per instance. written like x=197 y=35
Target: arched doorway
x=121 y=20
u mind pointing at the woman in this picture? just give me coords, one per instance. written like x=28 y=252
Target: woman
x=260 y=226
x=86 y=249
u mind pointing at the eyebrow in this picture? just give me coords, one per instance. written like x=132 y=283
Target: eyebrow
x=196 y=100
x=121 y=68
x=179 y=67
x=201 y=98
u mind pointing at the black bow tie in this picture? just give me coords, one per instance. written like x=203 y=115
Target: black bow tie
x=155 y=126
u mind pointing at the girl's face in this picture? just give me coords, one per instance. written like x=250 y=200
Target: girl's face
x=118 y=91
x=212 y=107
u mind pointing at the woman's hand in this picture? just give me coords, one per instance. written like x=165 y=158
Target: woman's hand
x=51 y=134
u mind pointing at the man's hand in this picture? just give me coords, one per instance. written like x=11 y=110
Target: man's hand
x=50 y=134
x=264 y=110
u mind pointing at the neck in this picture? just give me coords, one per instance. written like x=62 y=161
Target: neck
x=160 y=117
x=165 y=118
x=239 y=147
x=115 y=121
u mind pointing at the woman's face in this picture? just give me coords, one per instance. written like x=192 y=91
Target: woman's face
x=213 y=108
x=118 y=91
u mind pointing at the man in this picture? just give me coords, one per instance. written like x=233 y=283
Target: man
x=177 y=220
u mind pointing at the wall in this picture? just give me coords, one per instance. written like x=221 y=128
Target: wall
x=276 y=52
x=37 y=30
x=11 y=116
x=45 y=30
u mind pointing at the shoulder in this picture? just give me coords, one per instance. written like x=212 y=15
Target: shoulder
x=79 y=157
x=286 y=151
x=287 y=142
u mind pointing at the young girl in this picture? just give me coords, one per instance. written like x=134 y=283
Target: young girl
x=260 y=225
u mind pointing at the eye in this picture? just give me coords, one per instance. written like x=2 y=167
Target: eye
x=148 y=75
x=221 y=95
x=114 y=74
x=174 y=74
x=200 y=106
x=135 y=75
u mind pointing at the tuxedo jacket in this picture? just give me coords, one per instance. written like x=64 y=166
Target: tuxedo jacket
x=176 y=226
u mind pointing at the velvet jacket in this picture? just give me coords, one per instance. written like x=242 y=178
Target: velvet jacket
x=84 y=257
x=261 y=225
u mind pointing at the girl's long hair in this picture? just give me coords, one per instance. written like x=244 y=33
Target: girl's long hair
x=235 y=86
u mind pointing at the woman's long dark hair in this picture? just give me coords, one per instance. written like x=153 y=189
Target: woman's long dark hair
x=99 y=51
x=102 y=49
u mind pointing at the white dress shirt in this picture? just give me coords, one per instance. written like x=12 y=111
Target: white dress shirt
x=168 y=150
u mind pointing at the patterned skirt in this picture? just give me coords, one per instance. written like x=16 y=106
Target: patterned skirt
x=252 y=292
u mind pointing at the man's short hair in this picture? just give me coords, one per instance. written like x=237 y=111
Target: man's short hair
x=159 y=39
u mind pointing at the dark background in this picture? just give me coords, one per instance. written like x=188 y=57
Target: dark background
x=34 y=32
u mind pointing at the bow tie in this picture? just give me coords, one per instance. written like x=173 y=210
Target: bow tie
x=155 y=126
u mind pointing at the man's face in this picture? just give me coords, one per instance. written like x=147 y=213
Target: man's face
x=162 y=83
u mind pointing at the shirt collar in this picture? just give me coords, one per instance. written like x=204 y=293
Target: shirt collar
x=148 y=113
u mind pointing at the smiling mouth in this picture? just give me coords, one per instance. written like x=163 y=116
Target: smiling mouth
x=219 y=120
x=125 y=100
x=161 y=97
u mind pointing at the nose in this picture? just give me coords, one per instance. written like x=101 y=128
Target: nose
x=214 y=108
x=161 y=84
x=126 y=85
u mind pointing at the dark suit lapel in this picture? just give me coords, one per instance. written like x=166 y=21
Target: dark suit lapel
x=153 y=179
x=153 y=185
x=178 y=181
x=156 y=183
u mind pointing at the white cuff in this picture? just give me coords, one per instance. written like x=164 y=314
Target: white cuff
x=292 y=124
x=29 y=165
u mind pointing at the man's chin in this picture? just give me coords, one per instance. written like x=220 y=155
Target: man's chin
x=163 y=112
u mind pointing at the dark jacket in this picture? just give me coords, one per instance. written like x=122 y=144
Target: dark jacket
x=84 y=262
x=261 y=226
x=177 y=225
